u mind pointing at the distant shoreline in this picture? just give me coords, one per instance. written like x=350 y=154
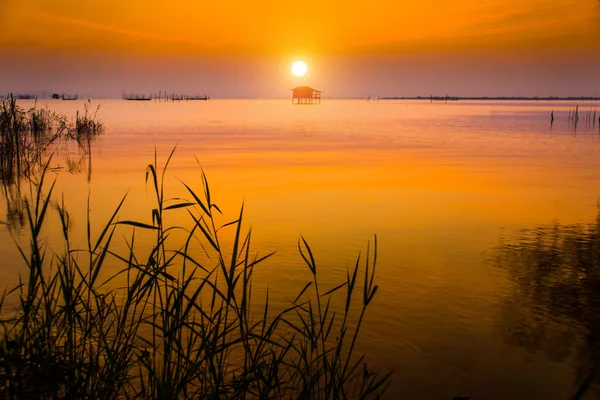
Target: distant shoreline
x=508 y=98
x=372 y=98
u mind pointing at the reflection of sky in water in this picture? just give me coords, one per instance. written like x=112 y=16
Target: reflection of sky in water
x=438 y=183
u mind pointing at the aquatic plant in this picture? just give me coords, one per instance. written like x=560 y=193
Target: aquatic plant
x=14 y=139
x=178 y=321
x=26 y=135
x=86 y=124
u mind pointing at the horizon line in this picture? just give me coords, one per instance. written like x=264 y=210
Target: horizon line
x=48 y=96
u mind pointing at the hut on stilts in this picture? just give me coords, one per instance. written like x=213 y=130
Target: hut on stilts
x=306 y=95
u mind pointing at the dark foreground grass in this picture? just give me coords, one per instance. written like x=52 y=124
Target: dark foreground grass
x=182 y=325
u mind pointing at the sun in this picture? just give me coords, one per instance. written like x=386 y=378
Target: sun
x=299 y=68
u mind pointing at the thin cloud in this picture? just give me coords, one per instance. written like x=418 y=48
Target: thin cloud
x=108 y=28
x=510 y=25
x=542 y=18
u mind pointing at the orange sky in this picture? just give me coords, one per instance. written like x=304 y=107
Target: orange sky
x=240 y=41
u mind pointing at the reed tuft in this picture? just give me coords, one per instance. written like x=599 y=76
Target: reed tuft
x=180 y=320
x=25 y=135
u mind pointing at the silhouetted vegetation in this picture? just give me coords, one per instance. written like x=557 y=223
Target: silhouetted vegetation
x=86 y=124
x=26 y=135
x=179 y=321
x=507 y=98
x=554 y=306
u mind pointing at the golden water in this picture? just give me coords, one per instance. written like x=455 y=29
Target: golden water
x=440 y=184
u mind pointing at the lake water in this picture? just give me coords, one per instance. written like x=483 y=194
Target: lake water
x=464 y=197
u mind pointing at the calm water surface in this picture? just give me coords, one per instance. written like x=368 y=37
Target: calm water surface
x=484 y=214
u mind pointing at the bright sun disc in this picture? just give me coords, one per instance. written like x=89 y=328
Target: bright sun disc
x=299 y=68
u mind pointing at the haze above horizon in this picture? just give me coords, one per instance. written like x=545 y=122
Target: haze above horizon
x=237 y=49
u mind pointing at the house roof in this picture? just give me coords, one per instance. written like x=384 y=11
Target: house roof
x=305 y=88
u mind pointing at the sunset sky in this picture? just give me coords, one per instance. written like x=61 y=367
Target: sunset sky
x=245 y=49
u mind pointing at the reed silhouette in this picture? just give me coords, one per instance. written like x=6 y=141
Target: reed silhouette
x=181 y=321
x=26 y=135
